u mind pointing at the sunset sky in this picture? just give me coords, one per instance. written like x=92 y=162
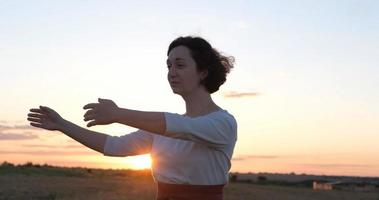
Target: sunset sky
x=304 y=89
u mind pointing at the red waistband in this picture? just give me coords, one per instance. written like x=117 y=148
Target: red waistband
x=167 y=188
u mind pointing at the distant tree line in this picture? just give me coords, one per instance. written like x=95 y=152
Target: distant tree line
x=263 y=180
x=30 y=168
x=27 y=164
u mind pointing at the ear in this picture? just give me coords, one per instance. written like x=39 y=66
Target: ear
x=203 y=74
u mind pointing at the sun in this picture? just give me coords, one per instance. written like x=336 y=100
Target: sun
x=141 y=162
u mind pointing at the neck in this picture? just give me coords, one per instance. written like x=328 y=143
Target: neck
x=199 y=103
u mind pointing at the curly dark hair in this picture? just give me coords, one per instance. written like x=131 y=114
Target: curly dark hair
x=206 y=58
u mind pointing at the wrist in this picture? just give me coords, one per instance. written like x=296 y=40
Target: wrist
x=62 y=125
x=117 y=115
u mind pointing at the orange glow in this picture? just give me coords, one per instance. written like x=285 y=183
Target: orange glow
x=141 y=162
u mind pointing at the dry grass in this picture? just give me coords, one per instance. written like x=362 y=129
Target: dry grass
x=44 y=187
x=266 y=192
x=107 y=187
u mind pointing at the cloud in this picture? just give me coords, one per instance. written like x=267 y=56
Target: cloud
x=247 y=157
x=18 y=132
x=330 y=165
x=4 y=127
x=53 y=146
x=234 y=94
x=24 y=127
x=17 y=127
x=55 y=153
x=17 y=136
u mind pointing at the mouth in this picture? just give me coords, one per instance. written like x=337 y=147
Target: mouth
x=174 y=82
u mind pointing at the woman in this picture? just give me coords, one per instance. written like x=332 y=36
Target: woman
x=191 y=152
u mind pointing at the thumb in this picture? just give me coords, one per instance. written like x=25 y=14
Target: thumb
x=102 y=100
x=46 y=109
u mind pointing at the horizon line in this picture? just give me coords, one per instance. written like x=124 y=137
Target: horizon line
x=230 y=172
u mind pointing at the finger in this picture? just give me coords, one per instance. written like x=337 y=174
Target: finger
x=35 y=120
x=90 y=112
x=89 y=117
x=36 y=110
x=92 y=123
x=36 y=125
x=90 y=105
x=35 y=115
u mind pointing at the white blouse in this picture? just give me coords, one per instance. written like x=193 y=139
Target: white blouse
x=194 y=151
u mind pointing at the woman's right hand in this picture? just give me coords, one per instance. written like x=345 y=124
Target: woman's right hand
x=46 y=118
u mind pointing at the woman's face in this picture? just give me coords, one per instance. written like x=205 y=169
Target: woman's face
x=182 y=72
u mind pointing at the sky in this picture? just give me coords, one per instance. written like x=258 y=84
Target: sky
x=303 y=88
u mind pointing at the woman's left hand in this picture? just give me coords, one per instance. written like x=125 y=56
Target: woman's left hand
x=101 y=113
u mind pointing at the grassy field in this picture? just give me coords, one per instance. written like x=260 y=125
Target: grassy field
x=61 y=183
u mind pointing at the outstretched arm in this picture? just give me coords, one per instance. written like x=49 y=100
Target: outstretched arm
x=48 y=119
x=107 y=112
x=150 y=121
x=217 y=130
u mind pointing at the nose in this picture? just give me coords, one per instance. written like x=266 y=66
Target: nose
x=172 y=73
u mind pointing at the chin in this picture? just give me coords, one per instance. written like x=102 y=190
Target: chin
x=176 y=91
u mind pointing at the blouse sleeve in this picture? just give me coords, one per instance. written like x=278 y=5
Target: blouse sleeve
x=217 y=130
x=135 y=143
